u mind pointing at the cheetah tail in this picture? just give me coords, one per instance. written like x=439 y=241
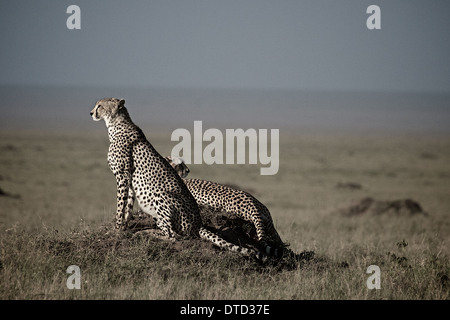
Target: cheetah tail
x=274 y=252
x=279 y=252
x=224 y=244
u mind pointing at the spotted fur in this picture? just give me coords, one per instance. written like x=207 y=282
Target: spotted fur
x=143 y=174
x=227 y=199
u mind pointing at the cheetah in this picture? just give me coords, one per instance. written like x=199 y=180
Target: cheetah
x=143 y=174
x=241 y=203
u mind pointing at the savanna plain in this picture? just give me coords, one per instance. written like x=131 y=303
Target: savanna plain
x=348 y=200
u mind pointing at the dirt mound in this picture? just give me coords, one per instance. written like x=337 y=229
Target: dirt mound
x=376 y=207
x=229 y=226
x=349 y=185
x=7 y=194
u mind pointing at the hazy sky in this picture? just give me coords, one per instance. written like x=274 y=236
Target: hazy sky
x=301 y=45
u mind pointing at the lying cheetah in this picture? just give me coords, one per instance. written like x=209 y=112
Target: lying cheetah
x=142 y=173
x=230 y=200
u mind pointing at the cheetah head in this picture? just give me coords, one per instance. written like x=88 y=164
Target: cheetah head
x=108 y=109
x=178 y=164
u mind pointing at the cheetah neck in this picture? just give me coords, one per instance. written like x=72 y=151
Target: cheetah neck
x=120 y=127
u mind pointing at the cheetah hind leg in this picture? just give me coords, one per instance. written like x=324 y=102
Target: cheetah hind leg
x=164 y=231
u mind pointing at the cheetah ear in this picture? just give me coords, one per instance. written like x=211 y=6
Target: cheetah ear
x=177 y=161
x=121 y=103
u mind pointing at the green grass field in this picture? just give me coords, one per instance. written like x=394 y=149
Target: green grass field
x=57 y=202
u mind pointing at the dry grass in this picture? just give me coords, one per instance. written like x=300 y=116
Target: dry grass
x=58 y=199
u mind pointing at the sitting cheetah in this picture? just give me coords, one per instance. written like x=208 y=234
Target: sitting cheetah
x=142 y=173
x=230 y=200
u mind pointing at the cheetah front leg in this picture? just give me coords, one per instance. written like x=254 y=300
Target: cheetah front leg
x=130 y=205
x=123 y=188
